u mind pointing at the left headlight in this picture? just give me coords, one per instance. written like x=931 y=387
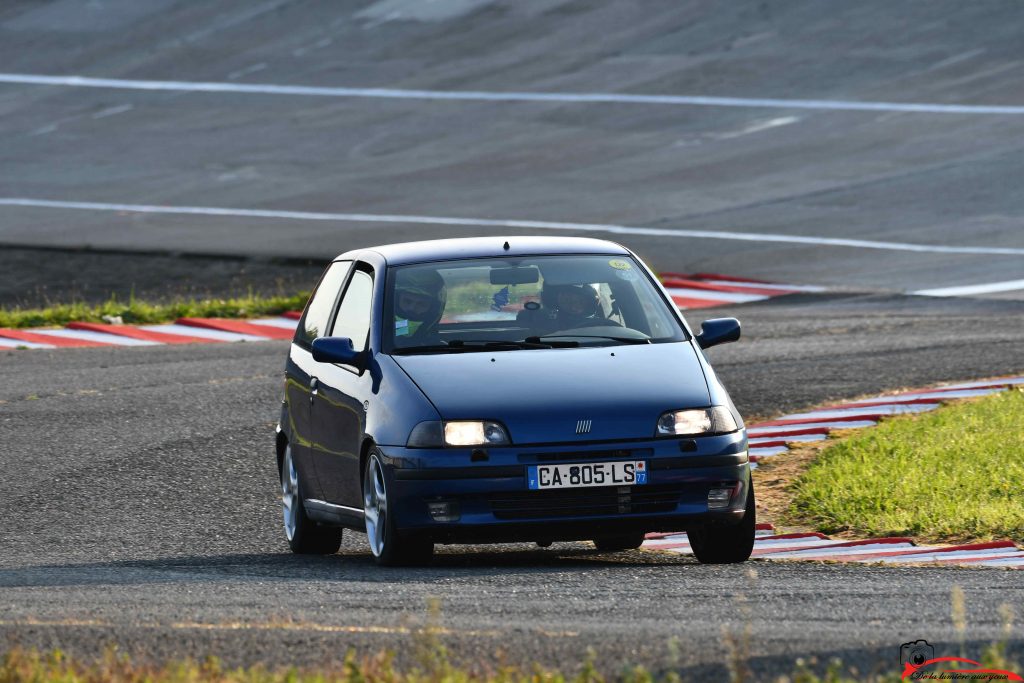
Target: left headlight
x=698 y=422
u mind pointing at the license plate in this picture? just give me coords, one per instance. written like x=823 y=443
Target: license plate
x=621 y=473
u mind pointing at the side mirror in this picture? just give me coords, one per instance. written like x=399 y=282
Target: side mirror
x=336 y=350
x=715 y=331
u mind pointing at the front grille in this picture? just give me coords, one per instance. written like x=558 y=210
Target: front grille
x=582 y=502
x=589 y=456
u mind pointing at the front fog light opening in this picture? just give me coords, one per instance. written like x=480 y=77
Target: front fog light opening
x=443 y=510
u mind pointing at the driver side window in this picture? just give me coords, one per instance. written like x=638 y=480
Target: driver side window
x=354 y=314
x=318 y=313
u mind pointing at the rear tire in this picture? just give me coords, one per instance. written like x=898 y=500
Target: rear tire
x=619 y=542
x=390 y=547
x=722 y=544
x=305 y=536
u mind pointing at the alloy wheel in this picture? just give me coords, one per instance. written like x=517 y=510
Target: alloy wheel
x=289 y=493
x=375 y=505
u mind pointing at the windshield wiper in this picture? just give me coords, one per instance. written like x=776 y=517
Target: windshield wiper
x=476 y=345
x=621 y=340
x=493 y=344
x=426 y=348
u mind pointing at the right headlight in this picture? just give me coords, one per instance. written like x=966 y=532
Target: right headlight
x=458 y=433
x=697 y=422
x=475 y=433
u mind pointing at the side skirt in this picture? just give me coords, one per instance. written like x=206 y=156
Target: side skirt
x=334 y=515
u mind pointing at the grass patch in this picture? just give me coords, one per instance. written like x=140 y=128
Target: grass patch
x=139 y=312
x=952 y=474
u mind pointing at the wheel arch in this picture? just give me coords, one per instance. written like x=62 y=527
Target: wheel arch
x=281 y=442
x=364 y=454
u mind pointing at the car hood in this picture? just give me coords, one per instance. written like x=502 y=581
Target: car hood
x=540 y=395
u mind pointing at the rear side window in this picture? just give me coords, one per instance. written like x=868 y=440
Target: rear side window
x=353 y=319
x=318 y=312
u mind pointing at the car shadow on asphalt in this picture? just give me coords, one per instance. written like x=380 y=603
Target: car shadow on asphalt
x=346 y=566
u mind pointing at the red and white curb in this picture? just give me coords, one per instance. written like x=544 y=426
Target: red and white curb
x=772 y=438
x=701 y=290
x=769 y=439
x=704 y=290
x=769 y=545
x=181 y=331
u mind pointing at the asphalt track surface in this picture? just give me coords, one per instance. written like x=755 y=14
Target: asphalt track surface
x=909 y=177
x=36 y=278
x=138 y=506
x=138 y=501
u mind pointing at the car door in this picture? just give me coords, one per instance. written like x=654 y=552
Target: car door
x=300 y=373
x=339 y=406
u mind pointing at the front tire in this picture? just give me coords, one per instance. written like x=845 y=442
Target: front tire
x=390 y=547
x=305 y=536
x=721 y=544
x=619 y=542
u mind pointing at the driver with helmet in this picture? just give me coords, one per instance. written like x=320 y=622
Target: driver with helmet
x=420 y=298
x=575 y=306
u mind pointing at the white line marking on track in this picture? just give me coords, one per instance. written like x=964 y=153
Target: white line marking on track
x=113 y=111
x=512 y=96
x=955 y=59
x=970 y=290
x=498 y=223
x=247 y=70
x=757 y=127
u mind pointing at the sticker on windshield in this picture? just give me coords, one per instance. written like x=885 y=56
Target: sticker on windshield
x=401 y=327
x=627 y=275
x=619 y=264
x=500 y=299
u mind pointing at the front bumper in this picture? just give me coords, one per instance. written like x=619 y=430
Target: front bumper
x=488 y=490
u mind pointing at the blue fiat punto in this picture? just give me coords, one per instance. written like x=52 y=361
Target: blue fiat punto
x=507 y=389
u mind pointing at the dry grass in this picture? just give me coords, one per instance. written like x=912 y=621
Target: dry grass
x=433 y=664
x=776 y=476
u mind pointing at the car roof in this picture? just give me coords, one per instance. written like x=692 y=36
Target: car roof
x=484 y=247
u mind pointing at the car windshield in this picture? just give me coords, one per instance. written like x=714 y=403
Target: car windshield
x=525 y=302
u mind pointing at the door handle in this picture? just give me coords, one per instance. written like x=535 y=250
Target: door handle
x=314 y=385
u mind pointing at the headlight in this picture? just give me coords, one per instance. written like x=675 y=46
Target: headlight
x=699 y=422
x=474 y=433
x=458 y=433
